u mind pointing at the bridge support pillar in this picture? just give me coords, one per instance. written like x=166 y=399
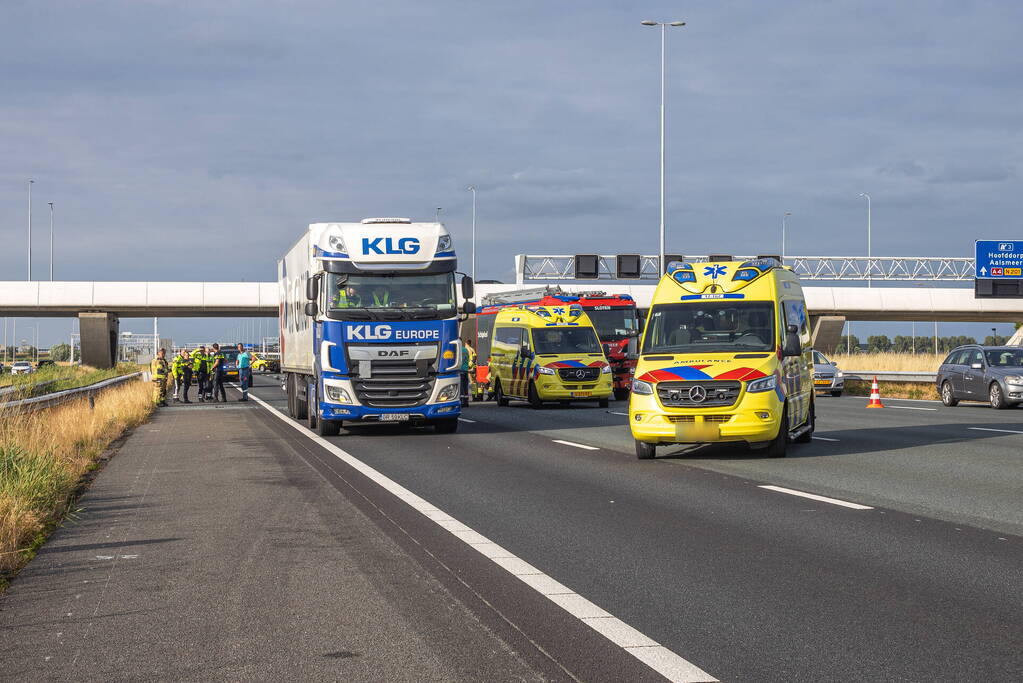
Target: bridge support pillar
x=99 y=339
x=827 y=332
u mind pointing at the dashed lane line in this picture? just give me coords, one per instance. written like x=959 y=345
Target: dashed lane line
x=646 y=650
x=577 y=445
x=991 y=429
x=911 y=408
x=616 y=413
x=823 y=438
x=814 y=496
x=465 y=419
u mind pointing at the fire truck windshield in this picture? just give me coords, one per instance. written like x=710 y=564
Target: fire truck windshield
x=614 y=322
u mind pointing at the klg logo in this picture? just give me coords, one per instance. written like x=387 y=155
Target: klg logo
x=388 y=245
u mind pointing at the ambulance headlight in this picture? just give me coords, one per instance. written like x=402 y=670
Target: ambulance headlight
x=337 y=243
x=444 y=243
x=762 y=384
x=336 y=394
x=605 y=369
x=448 y=393
x=546 y=371
x=641 y=388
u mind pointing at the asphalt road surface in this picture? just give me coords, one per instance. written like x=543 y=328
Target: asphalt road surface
x=745 y=582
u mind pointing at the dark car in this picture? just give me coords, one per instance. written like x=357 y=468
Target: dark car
x=982 y=373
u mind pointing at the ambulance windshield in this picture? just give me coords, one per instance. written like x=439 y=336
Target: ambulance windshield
x=565 y=340
x=390 y=297
x=710 y=326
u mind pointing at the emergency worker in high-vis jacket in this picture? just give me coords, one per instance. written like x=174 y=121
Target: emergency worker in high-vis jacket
x=176 y=373
x=217 y=375
x=160 y=369
x=200 y=370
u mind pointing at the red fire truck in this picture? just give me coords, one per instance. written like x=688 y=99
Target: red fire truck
x=614 y=316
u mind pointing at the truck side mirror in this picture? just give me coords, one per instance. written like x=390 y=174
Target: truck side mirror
x=311 y=309
x=467 y=287
x=792 y=346
x=468 y=307
x=525 y=352
x=312 y=288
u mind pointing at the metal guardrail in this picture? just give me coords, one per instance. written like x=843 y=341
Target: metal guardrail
x=532 y=268
x=29 y=405
x=21 y=388
x=891 y=376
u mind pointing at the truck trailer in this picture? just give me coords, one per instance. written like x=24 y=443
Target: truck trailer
x=369 y=324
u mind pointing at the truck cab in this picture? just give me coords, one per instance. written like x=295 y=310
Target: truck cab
x=547 y=353
x=370 y=324
x=726 y=357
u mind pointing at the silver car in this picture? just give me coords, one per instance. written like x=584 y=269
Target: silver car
x=826 y=375
x=982 y=373
x=21 y=367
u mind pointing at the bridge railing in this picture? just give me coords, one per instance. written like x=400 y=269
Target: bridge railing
x=537 y=268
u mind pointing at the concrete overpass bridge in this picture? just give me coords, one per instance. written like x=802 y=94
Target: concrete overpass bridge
x=99 y=305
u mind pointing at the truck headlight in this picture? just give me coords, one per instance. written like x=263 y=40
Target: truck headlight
x=1014 y=379
x=336 y=394
x=444 y=243
x=762 y=384
x=642 y=388
x=546 y=371
x=605 y=369
x=448 y=393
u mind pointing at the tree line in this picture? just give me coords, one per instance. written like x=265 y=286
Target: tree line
x=904 y=343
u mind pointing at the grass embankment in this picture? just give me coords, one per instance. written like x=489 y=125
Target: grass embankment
x=43 y=457
x=918 y=390
x=67 y=377
x=890 y=362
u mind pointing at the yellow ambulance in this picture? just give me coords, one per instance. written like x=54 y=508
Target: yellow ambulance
x=547 y=353
x=726 y=357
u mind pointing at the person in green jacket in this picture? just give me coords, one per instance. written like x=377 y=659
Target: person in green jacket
x=200 y=370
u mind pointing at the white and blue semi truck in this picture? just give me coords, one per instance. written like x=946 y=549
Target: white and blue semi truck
x=369 y=324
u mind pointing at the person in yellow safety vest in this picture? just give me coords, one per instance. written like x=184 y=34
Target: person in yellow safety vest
x=200 y=370
x=217 y=375
x=381 y=296
x=160 y=369
x=346 y=297
x=468 y=362
x=177 y=374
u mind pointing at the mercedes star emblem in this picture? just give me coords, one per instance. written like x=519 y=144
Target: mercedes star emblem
x=697 y=394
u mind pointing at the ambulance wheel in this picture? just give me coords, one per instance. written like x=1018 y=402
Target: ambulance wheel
x=499 y=396
x=328 y=427
x=776 y=448
x=621 y=394
x=603 y=403
x=534 y=398
x=448 y=425
x=645 y=451
x=811 y=419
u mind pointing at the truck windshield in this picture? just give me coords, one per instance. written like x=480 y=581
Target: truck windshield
x=710 y=326
x=565 y=340
x=614 y=323
x=367 y=297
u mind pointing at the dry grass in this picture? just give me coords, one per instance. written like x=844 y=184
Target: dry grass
x=918 y=390
x=43 y=456
x=889 y=362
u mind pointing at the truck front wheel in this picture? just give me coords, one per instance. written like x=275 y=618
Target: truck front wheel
x=449 y=425
x=328 y=427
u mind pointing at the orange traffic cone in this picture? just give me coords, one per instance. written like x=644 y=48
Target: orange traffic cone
x=875 y=395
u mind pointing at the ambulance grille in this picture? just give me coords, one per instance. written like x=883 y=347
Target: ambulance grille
x=692 y=418
x=680 y=395
x=579 y=374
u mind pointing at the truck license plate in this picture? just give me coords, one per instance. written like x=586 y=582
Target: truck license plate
x=582 y=393
x=394 y=417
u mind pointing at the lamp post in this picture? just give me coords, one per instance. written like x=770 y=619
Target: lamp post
x=51 y=240
x=864 y=194
x=784 y=216
x=472 y=188
x=664 y=29
x=30 y=184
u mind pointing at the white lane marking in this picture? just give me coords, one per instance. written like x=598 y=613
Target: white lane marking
x=911 y=408
x=577 y=445
x=614 y=413
x=656 y=656
x=465 y=419
x=823 y=438
x=814 y=496
x=918 y=400
x=989 y=429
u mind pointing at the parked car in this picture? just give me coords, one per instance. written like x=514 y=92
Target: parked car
x=826 y=375
x=43 y=363
x=982 y=373
x=21 y=367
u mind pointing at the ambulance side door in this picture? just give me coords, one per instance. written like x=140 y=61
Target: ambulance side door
x=502 y=353
x=797 y=369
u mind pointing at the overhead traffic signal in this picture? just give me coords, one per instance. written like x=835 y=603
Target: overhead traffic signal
x=628 y=266
x=587 y=266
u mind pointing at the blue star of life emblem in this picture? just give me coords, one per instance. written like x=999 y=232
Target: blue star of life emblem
x=558 y=310
x=714 y=271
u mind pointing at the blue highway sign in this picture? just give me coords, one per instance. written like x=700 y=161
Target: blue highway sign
x=997 y=259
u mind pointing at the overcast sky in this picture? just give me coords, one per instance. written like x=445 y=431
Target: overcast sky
x=195 y=141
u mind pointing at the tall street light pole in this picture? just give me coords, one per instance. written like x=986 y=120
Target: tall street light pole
x=30 y=183
x=472 y=188
x=664 y=29
x=864 y=194
x=783 y=217
x=51 y=240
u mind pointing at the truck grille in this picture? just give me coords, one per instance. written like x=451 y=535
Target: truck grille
x=579 y=374
x=394 y=384
x=682 y=395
